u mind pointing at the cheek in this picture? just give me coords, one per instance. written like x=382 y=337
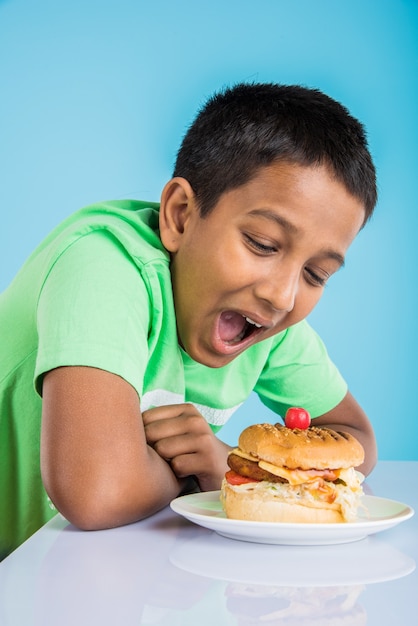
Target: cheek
x=306 y=300
x=224 y=265
x=309 y=298
x=196 y=278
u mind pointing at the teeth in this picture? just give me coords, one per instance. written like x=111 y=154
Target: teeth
x=250 y=321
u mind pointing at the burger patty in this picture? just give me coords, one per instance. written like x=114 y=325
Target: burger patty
x=251 y=469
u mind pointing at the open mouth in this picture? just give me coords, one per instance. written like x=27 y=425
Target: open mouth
x=235 y=328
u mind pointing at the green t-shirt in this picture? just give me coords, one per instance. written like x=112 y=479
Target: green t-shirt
x=97 y=292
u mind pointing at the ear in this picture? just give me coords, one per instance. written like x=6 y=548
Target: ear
x=176 y=206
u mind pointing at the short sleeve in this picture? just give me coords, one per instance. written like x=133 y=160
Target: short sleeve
x=93 y=310
x=299 y=372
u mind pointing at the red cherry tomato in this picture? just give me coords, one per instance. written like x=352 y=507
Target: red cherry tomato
x=296 y=417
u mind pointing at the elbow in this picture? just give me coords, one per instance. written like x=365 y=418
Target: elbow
x=96 y=505
x=92 y=514
x=96 y=496
x=370 y=459
x=369 y=464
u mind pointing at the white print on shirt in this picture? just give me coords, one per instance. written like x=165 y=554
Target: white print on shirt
x=162 y=397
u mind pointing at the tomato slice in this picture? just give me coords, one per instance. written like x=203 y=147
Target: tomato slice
x=233 y=478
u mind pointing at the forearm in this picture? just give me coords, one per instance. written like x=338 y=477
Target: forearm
x=105 y=496
x=349 y=417
x=368 y=442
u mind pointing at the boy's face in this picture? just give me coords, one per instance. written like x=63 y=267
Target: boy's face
x=258 y=263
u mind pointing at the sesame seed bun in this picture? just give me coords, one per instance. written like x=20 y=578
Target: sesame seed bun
x=319 y=448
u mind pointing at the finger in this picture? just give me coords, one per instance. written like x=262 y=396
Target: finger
x=186 y=439
x=166 y=412
x=186 y=465
x=164 y=429
x=171 y=447
x=182 y=425
x=191 y=464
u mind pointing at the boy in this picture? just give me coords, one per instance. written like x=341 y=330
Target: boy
x=143 y=327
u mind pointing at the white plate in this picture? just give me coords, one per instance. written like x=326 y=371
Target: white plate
x=205 y=510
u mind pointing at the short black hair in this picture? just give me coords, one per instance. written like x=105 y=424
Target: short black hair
x=251 y=125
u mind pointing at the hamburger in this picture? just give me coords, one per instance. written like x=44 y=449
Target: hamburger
x=280 y=474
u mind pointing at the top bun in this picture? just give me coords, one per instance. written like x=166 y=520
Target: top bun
x=312 y=448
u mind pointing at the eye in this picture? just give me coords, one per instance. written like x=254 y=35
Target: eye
x=259 y=247
x=316 y=278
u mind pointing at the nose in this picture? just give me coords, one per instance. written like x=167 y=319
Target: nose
x=279 y=288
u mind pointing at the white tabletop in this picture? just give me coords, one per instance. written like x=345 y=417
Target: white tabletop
x=167 y=571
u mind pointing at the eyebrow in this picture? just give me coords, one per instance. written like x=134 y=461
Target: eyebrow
x=293 y=230
x=271 y=215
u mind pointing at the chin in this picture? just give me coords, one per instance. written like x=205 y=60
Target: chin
x=206 y=355
x=214 y=361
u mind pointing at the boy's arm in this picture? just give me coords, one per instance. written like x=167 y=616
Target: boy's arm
x=348 y=416
x=96 y=465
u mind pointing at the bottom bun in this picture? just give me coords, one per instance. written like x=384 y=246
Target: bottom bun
x=258 y=507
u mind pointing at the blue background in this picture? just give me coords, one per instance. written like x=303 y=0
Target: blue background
x=96 y=96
